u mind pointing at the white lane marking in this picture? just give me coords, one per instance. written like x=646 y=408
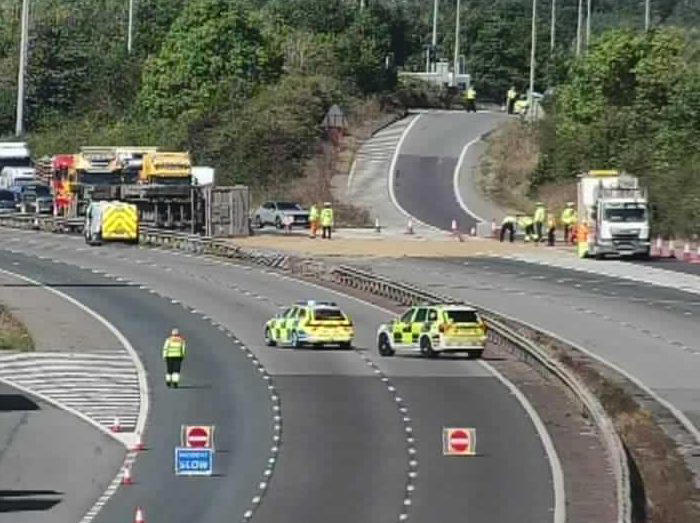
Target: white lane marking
x=455 y=180
x=129 y=440
x=552 y=456
x=392 y=168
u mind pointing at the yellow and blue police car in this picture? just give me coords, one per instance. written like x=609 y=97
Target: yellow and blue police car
x=310 y=323
x=432 y=329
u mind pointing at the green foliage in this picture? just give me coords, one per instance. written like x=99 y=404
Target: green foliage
x=213 y=44
x=632 y=104
x=266 y=141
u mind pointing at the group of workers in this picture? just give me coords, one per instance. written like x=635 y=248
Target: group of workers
x=470 y=99
x=321 y=219
x=541 y=221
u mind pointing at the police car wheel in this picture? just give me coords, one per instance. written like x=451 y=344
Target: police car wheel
x=346 y=345
x=295 y=340
x=384 y=346
x=474 y=354
x=269 y=341
x=426 y=348
x=258 y=222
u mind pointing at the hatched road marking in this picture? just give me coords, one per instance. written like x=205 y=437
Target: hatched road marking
x=100 y=385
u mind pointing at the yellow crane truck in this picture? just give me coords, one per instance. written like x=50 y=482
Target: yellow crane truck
x=166 y=168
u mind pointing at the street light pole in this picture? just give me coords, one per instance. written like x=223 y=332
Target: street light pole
x=553 y=29
x=131 y=26
x=579 y=28
x=455 y=65
x=588 y=23
x=647 y=15
x=24 y=34
x=435 y=16
x=531 y=98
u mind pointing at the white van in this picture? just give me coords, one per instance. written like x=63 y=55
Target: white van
x=14 y=176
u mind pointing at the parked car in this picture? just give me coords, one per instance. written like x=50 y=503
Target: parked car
x=273 y=213
x=8 y=201
x=29 y=197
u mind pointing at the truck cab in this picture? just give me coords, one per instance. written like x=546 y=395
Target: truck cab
x=616 y=210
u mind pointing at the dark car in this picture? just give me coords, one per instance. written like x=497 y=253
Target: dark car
x=34 y=198
x=8 y=201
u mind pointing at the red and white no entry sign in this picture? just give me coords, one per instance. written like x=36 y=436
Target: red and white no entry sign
x=198 y=436
x=458 y=441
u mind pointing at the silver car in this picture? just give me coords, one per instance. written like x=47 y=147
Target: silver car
x=274 y=213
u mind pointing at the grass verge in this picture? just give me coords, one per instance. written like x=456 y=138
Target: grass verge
x=13 y=334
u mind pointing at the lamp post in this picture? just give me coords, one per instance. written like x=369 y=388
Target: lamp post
x=455 y=65
x=533 y=45
x=24 y=35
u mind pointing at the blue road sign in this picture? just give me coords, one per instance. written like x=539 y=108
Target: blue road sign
x=194 y=462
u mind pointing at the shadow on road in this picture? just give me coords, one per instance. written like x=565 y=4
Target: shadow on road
x=16 y=402
x=28 y=500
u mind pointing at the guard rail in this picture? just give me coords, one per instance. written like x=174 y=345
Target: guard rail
x=381 y=286
x=506 y=337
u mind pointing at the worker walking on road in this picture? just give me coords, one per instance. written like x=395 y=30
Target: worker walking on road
x=539 y=218
x=313 y=220
x=568 y=220
x=173 y=354
x=511 y=96
x=508 y=225
x=525 y=222
x=470 y=96
x=551 y=229
x=327 y=220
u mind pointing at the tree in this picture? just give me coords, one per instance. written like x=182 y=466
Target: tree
x=213 y=44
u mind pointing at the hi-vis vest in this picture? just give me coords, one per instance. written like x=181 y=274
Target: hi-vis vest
x=327 y=217
x=511 y=94
x=313 y=213
x=540 y=215
x=174 y=347
x=568 y=216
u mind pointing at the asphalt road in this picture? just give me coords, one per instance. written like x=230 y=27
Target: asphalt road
x=424 y=173
x=219 y=387
x=650 y=332
x=345 y=456
x=52 y=466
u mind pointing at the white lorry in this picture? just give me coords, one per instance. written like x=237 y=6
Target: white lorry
x=615 y=209
x=14 y=154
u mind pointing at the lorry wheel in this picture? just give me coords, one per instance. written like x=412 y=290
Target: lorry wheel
x=269 y=341
x=384 y=346
x=475 y=354
x=426 y=348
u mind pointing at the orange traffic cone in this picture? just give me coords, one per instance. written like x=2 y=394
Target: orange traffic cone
x=139 y=518
x=138 y=446
x=126 y=477
x=116 y=427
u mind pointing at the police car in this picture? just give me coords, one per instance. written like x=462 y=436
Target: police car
x=431 y=329
x=310 y=323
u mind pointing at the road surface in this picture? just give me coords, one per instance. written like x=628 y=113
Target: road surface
x=345 y=455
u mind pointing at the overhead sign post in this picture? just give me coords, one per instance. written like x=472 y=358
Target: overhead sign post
x=458 y=441
x=194 y=462
x=197 y=436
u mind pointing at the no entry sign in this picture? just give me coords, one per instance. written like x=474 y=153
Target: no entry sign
x=197 y=436
x=458 y=441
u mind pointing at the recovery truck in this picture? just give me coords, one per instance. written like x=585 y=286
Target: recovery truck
x=615 y=210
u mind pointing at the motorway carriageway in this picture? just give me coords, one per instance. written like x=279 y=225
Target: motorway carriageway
x=345 y=454
x=647 y=331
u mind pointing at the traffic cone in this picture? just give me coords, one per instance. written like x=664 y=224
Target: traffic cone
x=116 y=427
x=138 y=517
x=126 y=477
x=138 y=445
x=409 y=227
x=686 y=252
